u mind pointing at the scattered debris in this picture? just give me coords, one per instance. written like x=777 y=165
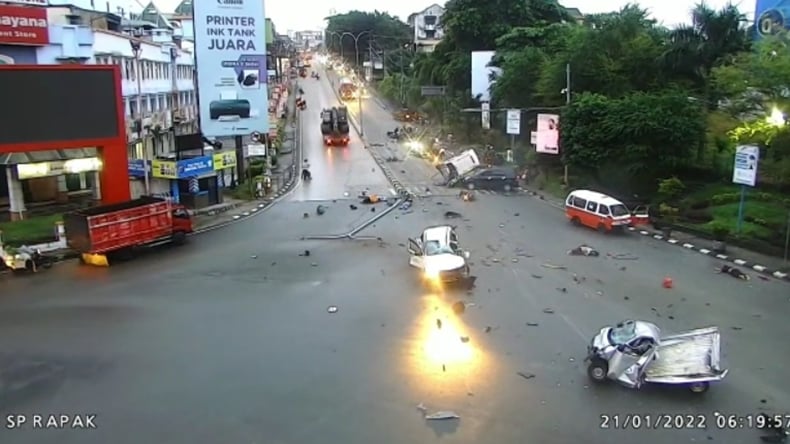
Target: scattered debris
x=332 y=309
x=488 y=329
x=668 y=282
x=626 y=298
x=254 y=256
x=734 y=272
x=584 y=250
x=452 y=215
x=737 y=328
x=562 y=290
x=763 y=278
x=532 y=324
x=514 y=260
x=526 y=375
x=439 y=324
x=553 y=267
x=501 y=225
x=459 y=307
x=516 y=214
x=622 y=268
x=537 y=276
x=305 y=215
x=464 y=339
x=314 y=264
x=622 y=256
x=442 y=415
x=351 y=206
x=320 y=210
x=548 y=311
x=305 y=253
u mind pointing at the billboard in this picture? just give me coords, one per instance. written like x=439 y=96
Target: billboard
x=482 y=73
x=40 y=105
x=548 y=134
x=771 y=17
x=230 y=53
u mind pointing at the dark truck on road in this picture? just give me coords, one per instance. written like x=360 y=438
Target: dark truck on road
x=334 y=126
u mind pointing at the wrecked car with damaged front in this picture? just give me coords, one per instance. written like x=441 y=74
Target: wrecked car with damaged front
x=438 y=254
x=633 y=353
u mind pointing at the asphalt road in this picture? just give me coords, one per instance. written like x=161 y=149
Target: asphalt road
x=229 y=338
x=337 y=171
x=414 y=173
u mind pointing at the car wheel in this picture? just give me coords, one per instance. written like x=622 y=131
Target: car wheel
x=699 y=387
x=576 y=221
x=597 y=370
x=507 y=188
x=602 y=228
x=470 y=186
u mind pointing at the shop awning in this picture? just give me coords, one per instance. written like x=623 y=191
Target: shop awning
x=46 y=156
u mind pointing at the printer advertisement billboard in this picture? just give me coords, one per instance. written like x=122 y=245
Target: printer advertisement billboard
x=230 y=51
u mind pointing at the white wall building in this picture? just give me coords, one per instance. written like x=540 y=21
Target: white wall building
x=427 y=27
x=167 y=88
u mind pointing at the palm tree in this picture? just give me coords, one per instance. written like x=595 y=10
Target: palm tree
x=712 y=38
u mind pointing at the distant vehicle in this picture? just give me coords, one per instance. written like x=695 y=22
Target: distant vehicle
x=334 y=126
x=438 y=254
x=406 y=115
x=347 y=89
x=119 y=229
x=453 y=170
x=500 y=178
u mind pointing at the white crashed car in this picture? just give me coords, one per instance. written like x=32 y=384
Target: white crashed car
x=437 y=253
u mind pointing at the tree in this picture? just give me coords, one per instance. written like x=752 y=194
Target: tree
x=612 y=54
x=755 y=87
x=374 y=29
x=713 y=38
x=642 y=136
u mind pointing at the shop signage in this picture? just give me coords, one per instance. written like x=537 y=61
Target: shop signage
x=137 y=167
x=224 y=160
x=21 y=25
x=57 y=168
x=43 y=3
x=183 y=169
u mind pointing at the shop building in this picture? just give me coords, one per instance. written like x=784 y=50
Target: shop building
x=37 y=178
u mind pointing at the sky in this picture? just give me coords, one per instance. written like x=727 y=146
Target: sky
x=298 y=15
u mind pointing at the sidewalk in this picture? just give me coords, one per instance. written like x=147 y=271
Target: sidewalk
x=283 y=179
x=764 y=264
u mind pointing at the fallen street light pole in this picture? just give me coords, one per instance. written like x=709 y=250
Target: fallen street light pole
x=352 y=234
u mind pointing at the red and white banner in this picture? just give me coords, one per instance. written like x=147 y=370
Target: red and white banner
x=20 y=25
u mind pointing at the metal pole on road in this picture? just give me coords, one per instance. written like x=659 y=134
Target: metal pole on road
x=137 y=49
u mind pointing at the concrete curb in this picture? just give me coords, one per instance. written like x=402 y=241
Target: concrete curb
x=660 y=237
x=388 y=174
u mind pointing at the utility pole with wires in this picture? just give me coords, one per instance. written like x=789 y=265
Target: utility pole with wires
x=567 y=91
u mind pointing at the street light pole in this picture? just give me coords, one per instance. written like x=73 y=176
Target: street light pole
x=359 y=94
x=567 y=102
x=137 y=50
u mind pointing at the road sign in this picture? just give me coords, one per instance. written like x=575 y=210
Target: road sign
x=255 y=136
x=485 y=115
x=514 y=121
x=744 y=171
x=432 y=91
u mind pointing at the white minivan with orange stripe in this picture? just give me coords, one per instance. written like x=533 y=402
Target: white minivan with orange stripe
x=596 y=210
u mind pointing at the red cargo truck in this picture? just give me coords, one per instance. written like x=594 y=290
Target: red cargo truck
x=119 y=229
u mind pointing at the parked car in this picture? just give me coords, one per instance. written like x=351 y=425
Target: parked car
x=504 y=179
